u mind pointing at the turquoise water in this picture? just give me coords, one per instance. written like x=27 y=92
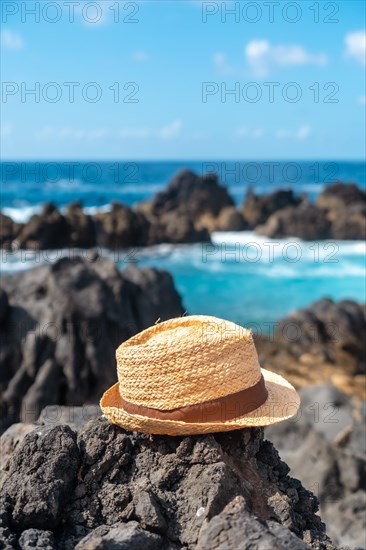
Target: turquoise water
x=243 y=277
x=257 y=284
x=251 y=284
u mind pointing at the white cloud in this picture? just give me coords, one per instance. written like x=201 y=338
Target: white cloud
x=250 y=133
x=302 y=133
x=361 y=99
x=11 y=40
x=171 y=131
x=68 y=133
x=356 y=46
x=263 y=58
x=140 y=56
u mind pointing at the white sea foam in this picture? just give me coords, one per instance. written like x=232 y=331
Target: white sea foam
x=21 y=214
x=91 y=210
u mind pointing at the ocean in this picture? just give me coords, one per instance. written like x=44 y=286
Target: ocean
x=243 y=277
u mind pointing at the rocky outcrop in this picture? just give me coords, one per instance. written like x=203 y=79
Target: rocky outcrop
x=320 y=344
x=104 y=487
x=340 y=195
x=175 y=228
x=8 y=231
x=258 y=208
x=325 y=448
x=121 y=227
x=192 y=195
x=47 y=230
x=189 y=197
x=229 y=219
x=345 y=207
x=187 y=211
x=82 y=227
x=63 y=324
x=306 y=222
x=339 y=213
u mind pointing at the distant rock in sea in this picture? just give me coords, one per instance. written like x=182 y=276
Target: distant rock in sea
x=339 y=213
x=187 y=211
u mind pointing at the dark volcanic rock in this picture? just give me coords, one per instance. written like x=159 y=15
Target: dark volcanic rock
x=319 y=447
x=175 y=228
x=339 y=213
x=305 y=222
x=193 y=195
x=349 y=223
x=130 y=490
x=47 y=230
x=121 y=536
x=40 y=478
x=188 y=200
x=338 y=195
x=4 y=305
x=62 y=328
x=9 y=441
x=122 y=227
x=9 y=231
x=36 y=539
x=319 y=344
x=258 y=208
x=235 y=527
x=82 y=227
x=229 y=219
x=345 y=205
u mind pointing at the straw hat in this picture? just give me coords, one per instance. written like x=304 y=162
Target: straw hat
x=192 y=375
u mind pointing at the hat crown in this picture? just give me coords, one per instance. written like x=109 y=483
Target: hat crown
x=185 y=361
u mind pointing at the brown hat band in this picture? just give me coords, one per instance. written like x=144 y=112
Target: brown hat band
x=222 y=409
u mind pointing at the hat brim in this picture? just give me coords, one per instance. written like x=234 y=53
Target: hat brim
x=282 y=403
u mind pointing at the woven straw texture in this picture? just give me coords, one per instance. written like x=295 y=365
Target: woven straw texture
x=282 y=403
x=190 y=360
x=185 y=361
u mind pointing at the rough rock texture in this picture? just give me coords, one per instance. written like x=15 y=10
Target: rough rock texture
x=36 y=539
x=325 y=446
x=322 y=343
x=258 y=208
x=40 y=478
x=235 y=527
x=63 y=325
x=9 y=441
x=119 y=489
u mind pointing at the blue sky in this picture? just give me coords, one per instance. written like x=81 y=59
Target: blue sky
x=161 y=70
